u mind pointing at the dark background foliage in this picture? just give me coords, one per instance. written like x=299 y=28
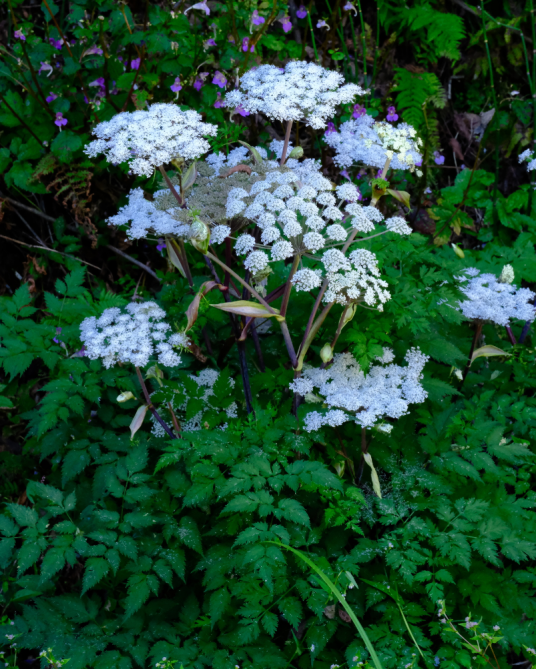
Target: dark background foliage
x=117 y=553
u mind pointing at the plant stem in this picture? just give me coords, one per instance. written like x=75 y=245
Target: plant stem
x=184 y=260
x=288 y=343
x=288 y=286
x=170 y=185
x=6 y=103
x=151 y=407
x=495 y=104
x=478 y=332
x=240 y=280
x=511 y=335
x=240 y=345
x=285 y=145
x=311 y=29
x=377 y=44
x=363 y=41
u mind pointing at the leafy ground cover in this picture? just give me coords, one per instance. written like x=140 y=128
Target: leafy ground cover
x=217 y=503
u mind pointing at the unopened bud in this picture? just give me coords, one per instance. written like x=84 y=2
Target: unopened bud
x=457 y=250
x=297 y=152
x=326 y=353
x=507 y=274
x=125 y=397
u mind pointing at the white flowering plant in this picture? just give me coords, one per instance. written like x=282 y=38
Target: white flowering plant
x=293 y=373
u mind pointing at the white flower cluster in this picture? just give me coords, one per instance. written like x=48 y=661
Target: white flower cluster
x=355 y=278
x=489 y=299
x=145 y=218
x=148 y=138
x=300 y=91
x=369 y=142
x=205 y=379
x=131 y=337
x=351 y=395
x=528 y=157
x=299 y=214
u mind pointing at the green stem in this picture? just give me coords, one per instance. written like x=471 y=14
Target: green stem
x=288 y=287
x=312 y=31
x=240 y=280
x=363 y=41
x=495 y=104
x=377 y=42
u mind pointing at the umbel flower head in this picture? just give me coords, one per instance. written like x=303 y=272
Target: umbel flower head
x=365 y=141
x=148 y=138
x=299 y=213
x=351 y=395
x=490 y=299
x=300 y=91
x=132 y=335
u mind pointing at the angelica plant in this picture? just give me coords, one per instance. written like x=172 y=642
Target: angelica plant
x=499 y=301
x=271 y=210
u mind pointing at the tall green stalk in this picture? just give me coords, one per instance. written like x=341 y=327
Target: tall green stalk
x=377 y=42
x=312 y=31
x=496 y=106
x=363 y=41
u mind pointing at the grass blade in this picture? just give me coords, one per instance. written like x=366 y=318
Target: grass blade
x=334 y=590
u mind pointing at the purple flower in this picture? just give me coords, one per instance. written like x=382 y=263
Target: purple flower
x=256 y=19
x=81 y=353
x=161 y=245
x=359 y=111
x=94 y=50
x=98 y=82
x=302 y=12
x=219 y=79
x=285 y=23
x=135 y=64
x=18 y=35
x=462 y=166
x=200 y=80
x=392 y=115
x=45 y=67
x=60 y=120
x=331 y=128
x=51 y=97
x=210 y=42
x=218 y=102
x=245 y=45
x=176 y=85
x=240 y=110
x=322 y=24
x=438 y=158
x=345 y=174
x=200 y=5
x=57 y=44
x=349 y=7
x=56 y=340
